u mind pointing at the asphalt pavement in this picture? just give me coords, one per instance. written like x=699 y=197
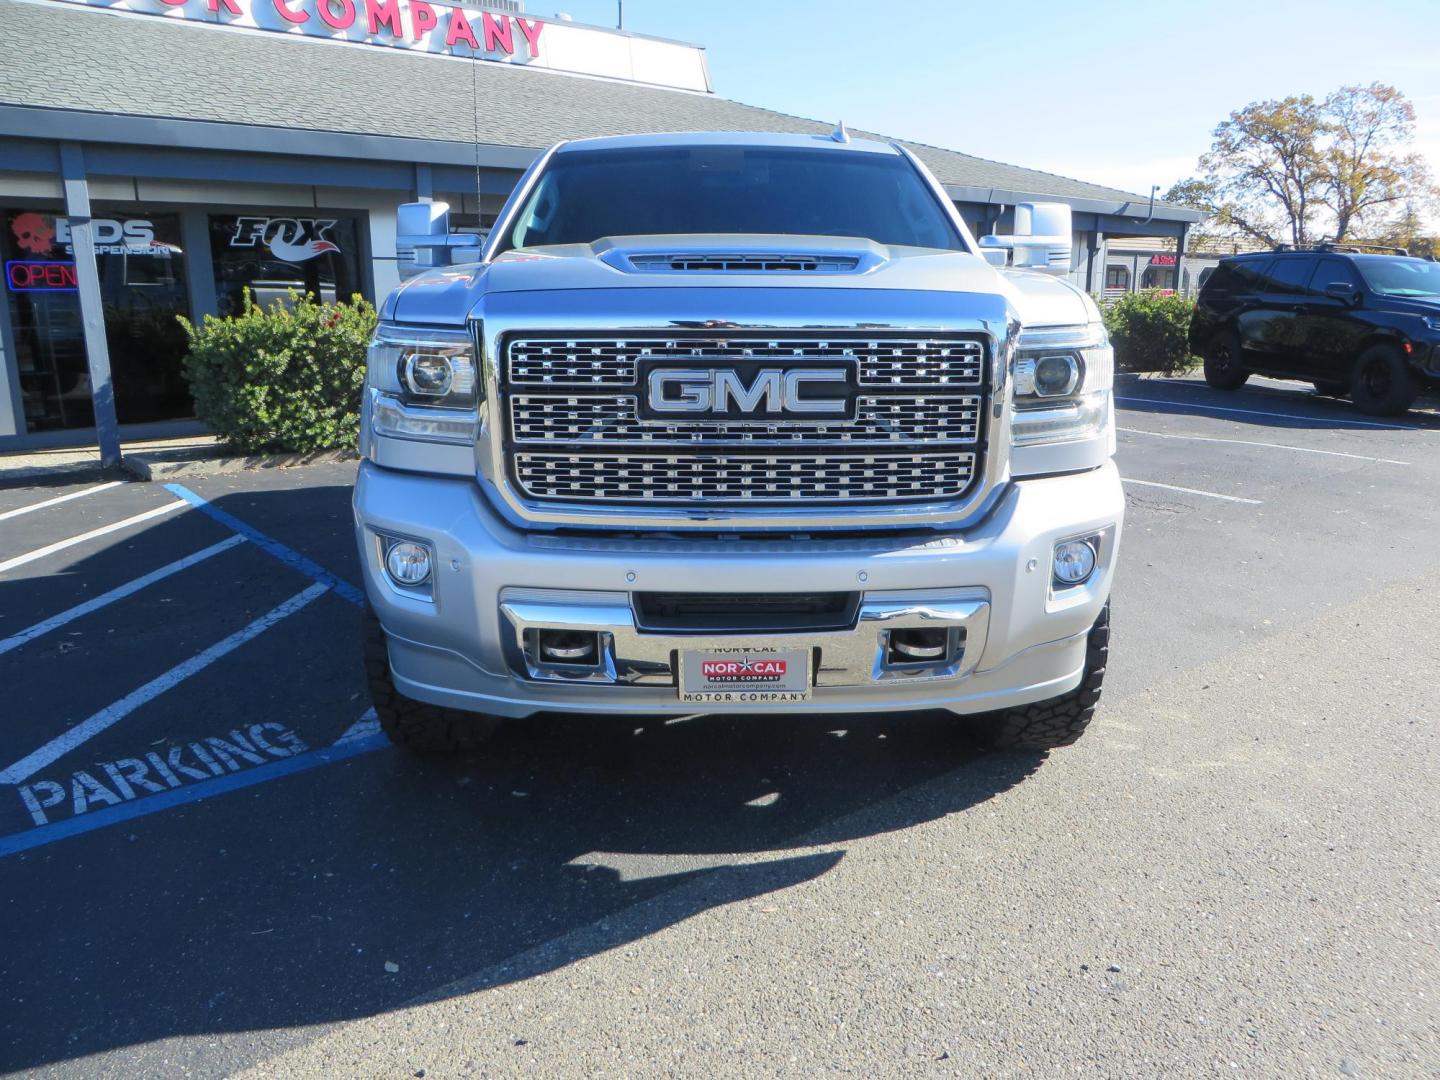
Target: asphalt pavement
x=211 y=864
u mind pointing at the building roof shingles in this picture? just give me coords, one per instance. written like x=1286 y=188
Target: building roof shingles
x=161 y=68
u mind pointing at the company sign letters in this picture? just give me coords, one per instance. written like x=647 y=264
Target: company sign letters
x=405 y=24
x=434 y=28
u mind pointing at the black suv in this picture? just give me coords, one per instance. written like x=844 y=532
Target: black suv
x=1358 y=324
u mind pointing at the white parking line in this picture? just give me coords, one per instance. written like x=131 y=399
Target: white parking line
x=1191 y=491
x=1257 y=412
x=1272 y=445
x=8 y=514
x=111 y=714
x=61 y=545
x=14 y=641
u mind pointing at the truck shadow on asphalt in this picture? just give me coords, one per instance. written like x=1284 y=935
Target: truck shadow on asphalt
x=209 y=933
x=1257 y=405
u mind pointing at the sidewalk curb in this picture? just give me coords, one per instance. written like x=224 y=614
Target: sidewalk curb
x=171 y=466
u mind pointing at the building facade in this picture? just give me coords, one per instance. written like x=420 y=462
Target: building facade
x=159 y=158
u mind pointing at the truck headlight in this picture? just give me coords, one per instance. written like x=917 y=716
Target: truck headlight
x=1062 y=378
x=424 y=383
x=425 y=366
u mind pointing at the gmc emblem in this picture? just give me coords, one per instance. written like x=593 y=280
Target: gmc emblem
x=733 y=392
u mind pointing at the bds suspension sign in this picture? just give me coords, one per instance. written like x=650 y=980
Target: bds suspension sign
x=439 y=29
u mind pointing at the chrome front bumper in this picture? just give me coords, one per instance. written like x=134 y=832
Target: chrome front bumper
x=1022 y=640
x=630 y=655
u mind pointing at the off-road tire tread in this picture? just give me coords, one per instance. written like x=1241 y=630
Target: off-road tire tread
x=415 y=725
x=1403 y=390
x=1058 y=721
x=1232 y=378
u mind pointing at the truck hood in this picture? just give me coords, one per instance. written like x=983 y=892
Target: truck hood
x=834 y=264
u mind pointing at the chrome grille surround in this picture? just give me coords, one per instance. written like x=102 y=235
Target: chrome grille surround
x=582 y=441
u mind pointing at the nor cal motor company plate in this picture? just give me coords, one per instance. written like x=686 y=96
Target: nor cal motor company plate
x=744 y=676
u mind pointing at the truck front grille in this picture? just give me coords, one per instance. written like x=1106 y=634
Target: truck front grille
x=744 y=478
x=575 y=429
x=565 y=418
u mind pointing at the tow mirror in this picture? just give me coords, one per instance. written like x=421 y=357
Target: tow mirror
x=423 y=238
x=1042 y=239
x=1343 y=290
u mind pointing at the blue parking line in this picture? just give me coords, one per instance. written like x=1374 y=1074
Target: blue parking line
x=206 y=789
x=287 y=555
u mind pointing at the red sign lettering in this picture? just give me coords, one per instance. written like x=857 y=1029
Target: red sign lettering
x=531 y=30
x=32 y=276
x=384 y=13
x=296 y=17
x=422 y=19
x=498 y=33
x=460 y=30
x=344 y=20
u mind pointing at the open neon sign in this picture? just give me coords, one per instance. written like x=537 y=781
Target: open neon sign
x=29 y=275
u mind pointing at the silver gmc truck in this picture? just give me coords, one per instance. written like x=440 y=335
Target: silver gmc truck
x=737 y=423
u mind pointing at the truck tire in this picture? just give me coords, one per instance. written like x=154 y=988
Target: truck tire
x=1382 y=383
x=1222 y=362
x=1057 y=721
x=424 y=729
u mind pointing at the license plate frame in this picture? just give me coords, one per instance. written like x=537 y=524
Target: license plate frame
x=744 y=675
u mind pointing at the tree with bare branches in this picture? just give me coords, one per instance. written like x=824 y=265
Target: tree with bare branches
x=1299 y=169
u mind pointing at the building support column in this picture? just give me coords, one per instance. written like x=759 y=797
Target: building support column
x=199 y=265
x=1180 y=260
x=12 y=398
x=92 y=309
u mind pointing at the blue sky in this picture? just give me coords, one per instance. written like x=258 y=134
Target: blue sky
x=1124 y=94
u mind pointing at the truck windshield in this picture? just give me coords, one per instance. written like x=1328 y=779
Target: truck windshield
x=585 y=195
x=1401 y=277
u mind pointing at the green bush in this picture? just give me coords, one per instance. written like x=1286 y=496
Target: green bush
x=286 y=378
x=1150 y=332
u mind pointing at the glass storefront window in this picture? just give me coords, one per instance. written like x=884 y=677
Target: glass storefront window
x=142 y=288
x=271 y=254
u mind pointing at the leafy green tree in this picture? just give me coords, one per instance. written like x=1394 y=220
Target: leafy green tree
x=1298 y=169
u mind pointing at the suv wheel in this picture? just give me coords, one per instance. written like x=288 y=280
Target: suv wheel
x=1382 y=383
x=420 y=728
x=1222 y=362
x=1326 y=388
x=1058 y=721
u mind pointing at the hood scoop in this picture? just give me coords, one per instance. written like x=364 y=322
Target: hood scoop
x=740 y=254
x=736 y=262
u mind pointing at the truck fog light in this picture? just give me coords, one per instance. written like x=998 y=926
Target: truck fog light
x=569 y=647
x=408 y=563
x=918 y=646
x=1074 y=561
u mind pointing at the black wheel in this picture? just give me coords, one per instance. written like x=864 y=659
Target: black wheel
x=1382 y=383
x=1222 y=362
x=1325 y=388
x=418 y=727
x=1057 y=721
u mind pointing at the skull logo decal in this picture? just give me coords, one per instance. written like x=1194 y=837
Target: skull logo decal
x=33 y=232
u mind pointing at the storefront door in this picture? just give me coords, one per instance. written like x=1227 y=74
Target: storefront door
x=142 y=287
